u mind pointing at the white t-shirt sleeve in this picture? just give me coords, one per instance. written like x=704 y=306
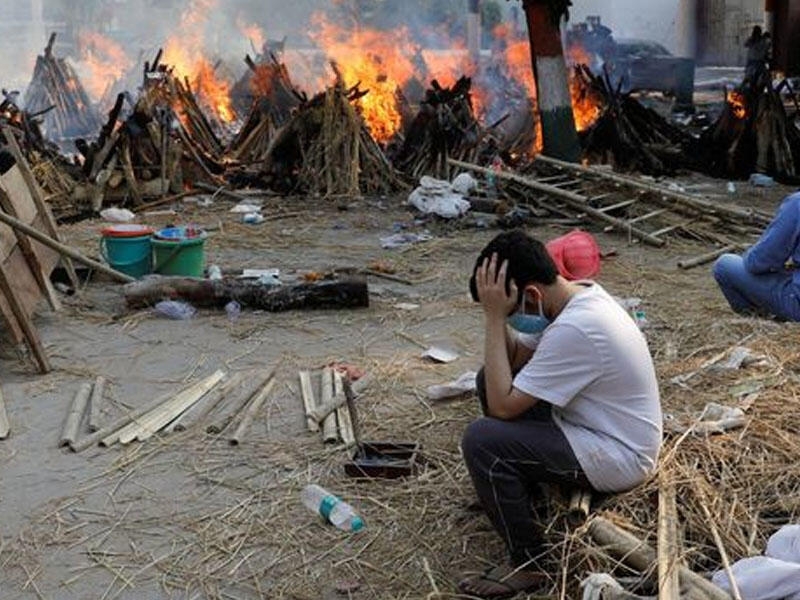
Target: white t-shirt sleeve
x=564 y=363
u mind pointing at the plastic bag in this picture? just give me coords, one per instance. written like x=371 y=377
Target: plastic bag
x=464 y=384
x=175 y=310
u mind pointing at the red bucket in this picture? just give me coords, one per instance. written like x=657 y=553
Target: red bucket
x=576 y=255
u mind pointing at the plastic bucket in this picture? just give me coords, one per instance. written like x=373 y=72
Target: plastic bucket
x=179 y=251
x=576 y=255
x=126 y=248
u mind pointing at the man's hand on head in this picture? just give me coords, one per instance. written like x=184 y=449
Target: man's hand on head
x=490 y=281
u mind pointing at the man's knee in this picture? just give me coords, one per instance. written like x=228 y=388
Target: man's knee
x=725 y=266
x=478 y=435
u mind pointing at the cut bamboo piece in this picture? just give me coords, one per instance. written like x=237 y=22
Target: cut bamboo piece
x=342 y=413
x=143 y=429
x=69 y=434
x=330 y=433
x=637 y=554
x=579 y=505
x=209 y=402
x=94 y=403
x=668 y=548
x=238 y=405
x=307 y=392
x=338 y=400
x=5 y=428
x=707 y=257
x=250 y=412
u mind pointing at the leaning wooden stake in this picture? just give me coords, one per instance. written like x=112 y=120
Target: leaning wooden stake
x=94 y=403
x=63 y=249
x=307 y=393
x=4 y=426
x=70 y=432
x=637 y=554
x=342 y=413
x=330 y=433
x=250 y=412
x=668 y=549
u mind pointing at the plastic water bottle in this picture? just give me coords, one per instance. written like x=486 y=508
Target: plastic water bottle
x=233 y=309
x=332 y=508
x=641 y=319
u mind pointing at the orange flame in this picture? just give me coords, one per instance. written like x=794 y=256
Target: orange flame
x=103 y=62
x=737 y=103
x=184 y=52
x=378 y=61
x=251 y=32
x=586 y=106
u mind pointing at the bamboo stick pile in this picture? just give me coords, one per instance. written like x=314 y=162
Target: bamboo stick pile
x=55 y=84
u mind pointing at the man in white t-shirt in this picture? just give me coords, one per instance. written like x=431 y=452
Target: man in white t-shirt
x=570 y=398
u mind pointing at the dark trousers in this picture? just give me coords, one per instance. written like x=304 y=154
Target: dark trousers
x=508 y=460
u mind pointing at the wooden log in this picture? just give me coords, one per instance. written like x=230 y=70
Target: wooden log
x=637 y=554
x=5 y=428
x=575 y=200
x=144 y=428
x=64 y=249
x=20 y=313
x=309 y=403
x=668 y=547
x=348 y=292
x=342 y=414
x=330 y=433
x=250 y=412
x=69 y=433
x=41 y=206
x=94 y=406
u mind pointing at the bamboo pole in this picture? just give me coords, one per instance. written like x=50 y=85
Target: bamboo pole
x=330 y=433
x=307 y=393
x=209 y=402
x=75 y=415
x=342 y=414
x=143 y=429
x=641 y=556
x=250 y=412
x=577 y=201
x=686 y=199
x=5 y=428
x=339 y=399
x=707 y=257
x=63 y=249
x=238 y=406
x=668 y=550
x=94 y=403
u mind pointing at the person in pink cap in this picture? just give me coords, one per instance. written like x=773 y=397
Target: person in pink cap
x=569 y=396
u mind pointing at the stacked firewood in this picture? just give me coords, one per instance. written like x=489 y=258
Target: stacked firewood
x=163 y=141
x=271 y=97
x=326 y=149
x=627 y=134
x=56 y=92
x=753 y=134
x=444 y=128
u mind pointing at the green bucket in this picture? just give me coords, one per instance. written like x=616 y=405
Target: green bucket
x=126 y=248
x=185 y=256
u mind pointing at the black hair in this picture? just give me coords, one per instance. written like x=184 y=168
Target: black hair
x=528 y=261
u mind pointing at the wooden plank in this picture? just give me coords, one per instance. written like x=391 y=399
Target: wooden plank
x=38 y=200
x=647 y=216
x=25 y=324
x=623 y=204
x=34 y=264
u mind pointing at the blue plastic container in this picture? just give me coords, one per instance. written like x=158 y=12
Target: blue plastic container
x=127 y=248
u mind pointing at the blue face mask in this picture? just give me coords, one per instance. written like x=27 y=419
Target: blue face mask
x=523 y=323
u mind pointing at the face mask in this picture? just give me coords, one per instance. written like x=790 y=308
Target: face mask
x=523 y=323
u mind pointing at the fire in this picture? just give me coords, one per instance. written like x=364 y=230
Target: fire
x=577 y=55
x=737 y=103
x=251 y=32
x=103 y=62
x=379 y=61
x=586 y=107
x=184 y=53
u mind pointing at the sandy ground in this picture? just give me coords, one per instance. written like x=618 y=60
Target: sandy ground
x=187 y=515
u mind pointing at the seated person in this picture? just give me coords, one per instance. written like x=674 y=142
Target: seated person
x=764 y=281
x=579 y=408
